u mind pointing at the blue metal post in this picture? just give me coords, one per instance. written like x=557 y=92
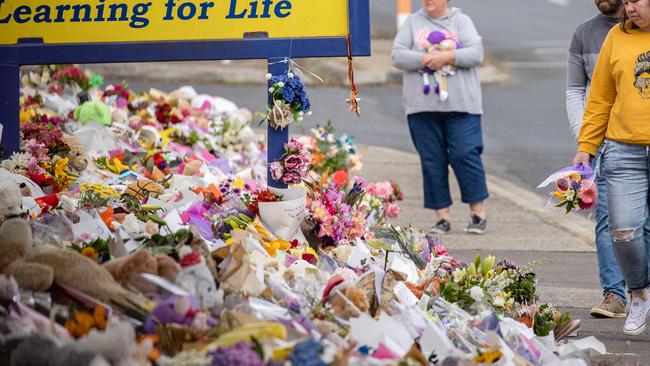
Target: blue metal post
x=276 y=138
x=10 y=108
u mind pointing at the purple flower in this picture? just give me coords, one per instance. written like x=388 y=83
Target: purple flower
x=291 y=178
x=240 y=354
x=294 y=162
x=276 y=170
x=292 y=145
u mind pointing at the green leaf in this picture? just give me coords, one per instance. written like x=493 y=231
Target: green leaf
x=155 y=218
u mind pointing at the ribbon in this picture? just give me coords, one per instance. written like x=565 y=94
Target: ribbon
x=296 y=68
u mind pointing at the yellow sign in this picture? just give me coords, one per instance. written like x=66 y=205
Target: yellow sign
x=86 y=21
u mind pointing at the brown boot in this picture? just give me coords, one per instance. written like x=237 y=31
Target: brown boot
x=611 y=307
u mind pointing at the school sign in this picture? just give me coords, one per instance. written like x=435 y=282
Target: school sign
x=34 y=32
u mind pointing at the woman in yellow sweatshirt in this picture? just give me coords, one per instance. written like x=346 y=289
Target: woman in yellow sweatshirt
x=618 y=111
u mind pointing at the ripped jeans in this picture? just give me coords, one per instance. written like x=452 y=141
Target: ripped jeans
x=626 y=168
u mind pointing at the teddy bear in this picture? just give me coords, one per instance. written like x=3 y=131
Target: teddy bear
x=35 y=267
x=126 y=270
x=77 y=157
x=434 y=42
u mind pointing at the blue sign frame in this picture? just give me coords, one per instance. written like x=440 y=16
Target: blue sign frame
x=12 y=57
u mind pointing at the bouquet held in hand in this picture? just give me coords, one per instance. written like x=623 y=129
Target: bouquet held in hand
x=572 y=188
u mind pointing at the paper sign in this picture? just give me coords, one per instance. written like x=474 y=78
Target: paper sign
x=405 y=295
x=91 y=225
x=165 y=284
x=284 y=218
x=174 y=221
x=400 y=264
x=435 y=340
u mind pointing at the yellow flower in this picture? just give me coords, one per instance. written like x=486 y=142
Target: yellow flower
x=166 y=135
x=575 y=177
x=116 y=166
x=488 y=357
x=239 y=183
x=275 y=245
x=61 y=167
x=90 y=253
x=558 y=194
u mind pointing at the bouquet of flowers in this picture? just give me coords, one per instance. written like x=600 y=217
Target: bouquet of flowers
x=331 y=153
x=382 y=199
x=336 y=214
x=290 y=100
x=573 y=188
x=293 y=166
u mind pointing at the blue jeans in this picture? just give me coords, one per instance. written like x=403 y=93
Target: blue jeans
x=626 y=168
x=449 y=138
x=611 y=278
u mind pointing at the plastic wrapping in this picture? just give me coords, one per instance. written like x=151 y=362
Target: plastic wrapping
x=571 y=188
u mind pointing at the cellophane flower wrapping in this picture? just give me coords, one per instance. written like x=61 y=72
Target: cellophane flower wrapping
x=571 y=189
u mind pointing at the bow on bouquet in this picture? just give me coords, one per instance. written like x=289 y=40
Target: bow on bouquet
x=572 y=188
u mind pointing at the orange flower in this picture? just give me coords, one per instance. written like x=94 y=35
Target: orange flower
x=99 y=314
x=80 y=325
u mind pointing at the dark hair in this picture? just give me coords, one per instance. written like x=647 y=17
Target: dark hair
x=626 y=23
x=642 y=67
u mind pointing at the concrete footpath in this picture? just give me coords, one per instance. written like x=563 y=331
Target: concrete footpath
x=560 y=247
x=374 y=70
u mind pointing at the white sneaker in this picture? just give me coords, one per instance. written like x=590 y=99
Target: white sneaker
x=637 y=317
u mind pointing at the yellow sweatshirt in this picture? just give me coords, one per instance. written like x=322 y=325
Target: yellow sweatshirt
x=618 y=105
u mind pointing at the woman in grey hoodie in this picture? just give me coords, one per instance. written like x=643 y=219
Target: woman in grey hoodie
x=439 y=50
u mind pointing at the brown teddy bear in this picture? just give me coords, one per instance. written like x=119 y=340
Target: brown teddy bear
x=126 y=270
x=77 y=157
x=36 y=267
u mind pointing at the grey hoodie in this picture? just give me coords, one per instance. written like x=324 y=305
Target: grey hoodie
x=464 y=87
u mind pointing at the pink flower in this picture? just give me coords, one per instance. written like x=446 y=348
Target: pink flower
x=276 y=170
x=291 y=178
x=294 y=162
x=293 y=145
x=380 y=190
x=392 y=210
x=587 y=195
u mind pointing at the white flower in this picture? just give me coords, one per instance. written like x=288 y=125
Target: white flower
x=280 y=85
x=271 y=89
x=476 y=293
x=300 y=119
x=268 y=76
x=309 y=113
x=290 y=75
x=9 y=165
x=499 y=302
x=301 y=113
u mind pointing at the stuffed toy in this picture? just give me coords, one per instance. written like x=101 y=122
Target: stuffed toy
x=126 y=270
x=434 y=42
x=36 y=267
x=77 y=157
x=93 y=111
x=196 y=277
x=176 y=310
x=41 y=349
x=353 y=295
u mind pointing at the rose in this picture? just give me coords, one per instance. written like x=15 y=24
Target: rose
x=276 y=170
x=392 y=210
x=381 y=189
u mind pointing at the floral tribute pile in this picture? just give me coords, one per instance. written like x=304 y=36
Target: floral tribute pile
x=138 y=229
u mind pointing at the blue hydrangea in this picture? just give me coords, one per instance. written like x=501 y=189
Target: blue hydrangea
x=307 y=353
x=293 y=92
